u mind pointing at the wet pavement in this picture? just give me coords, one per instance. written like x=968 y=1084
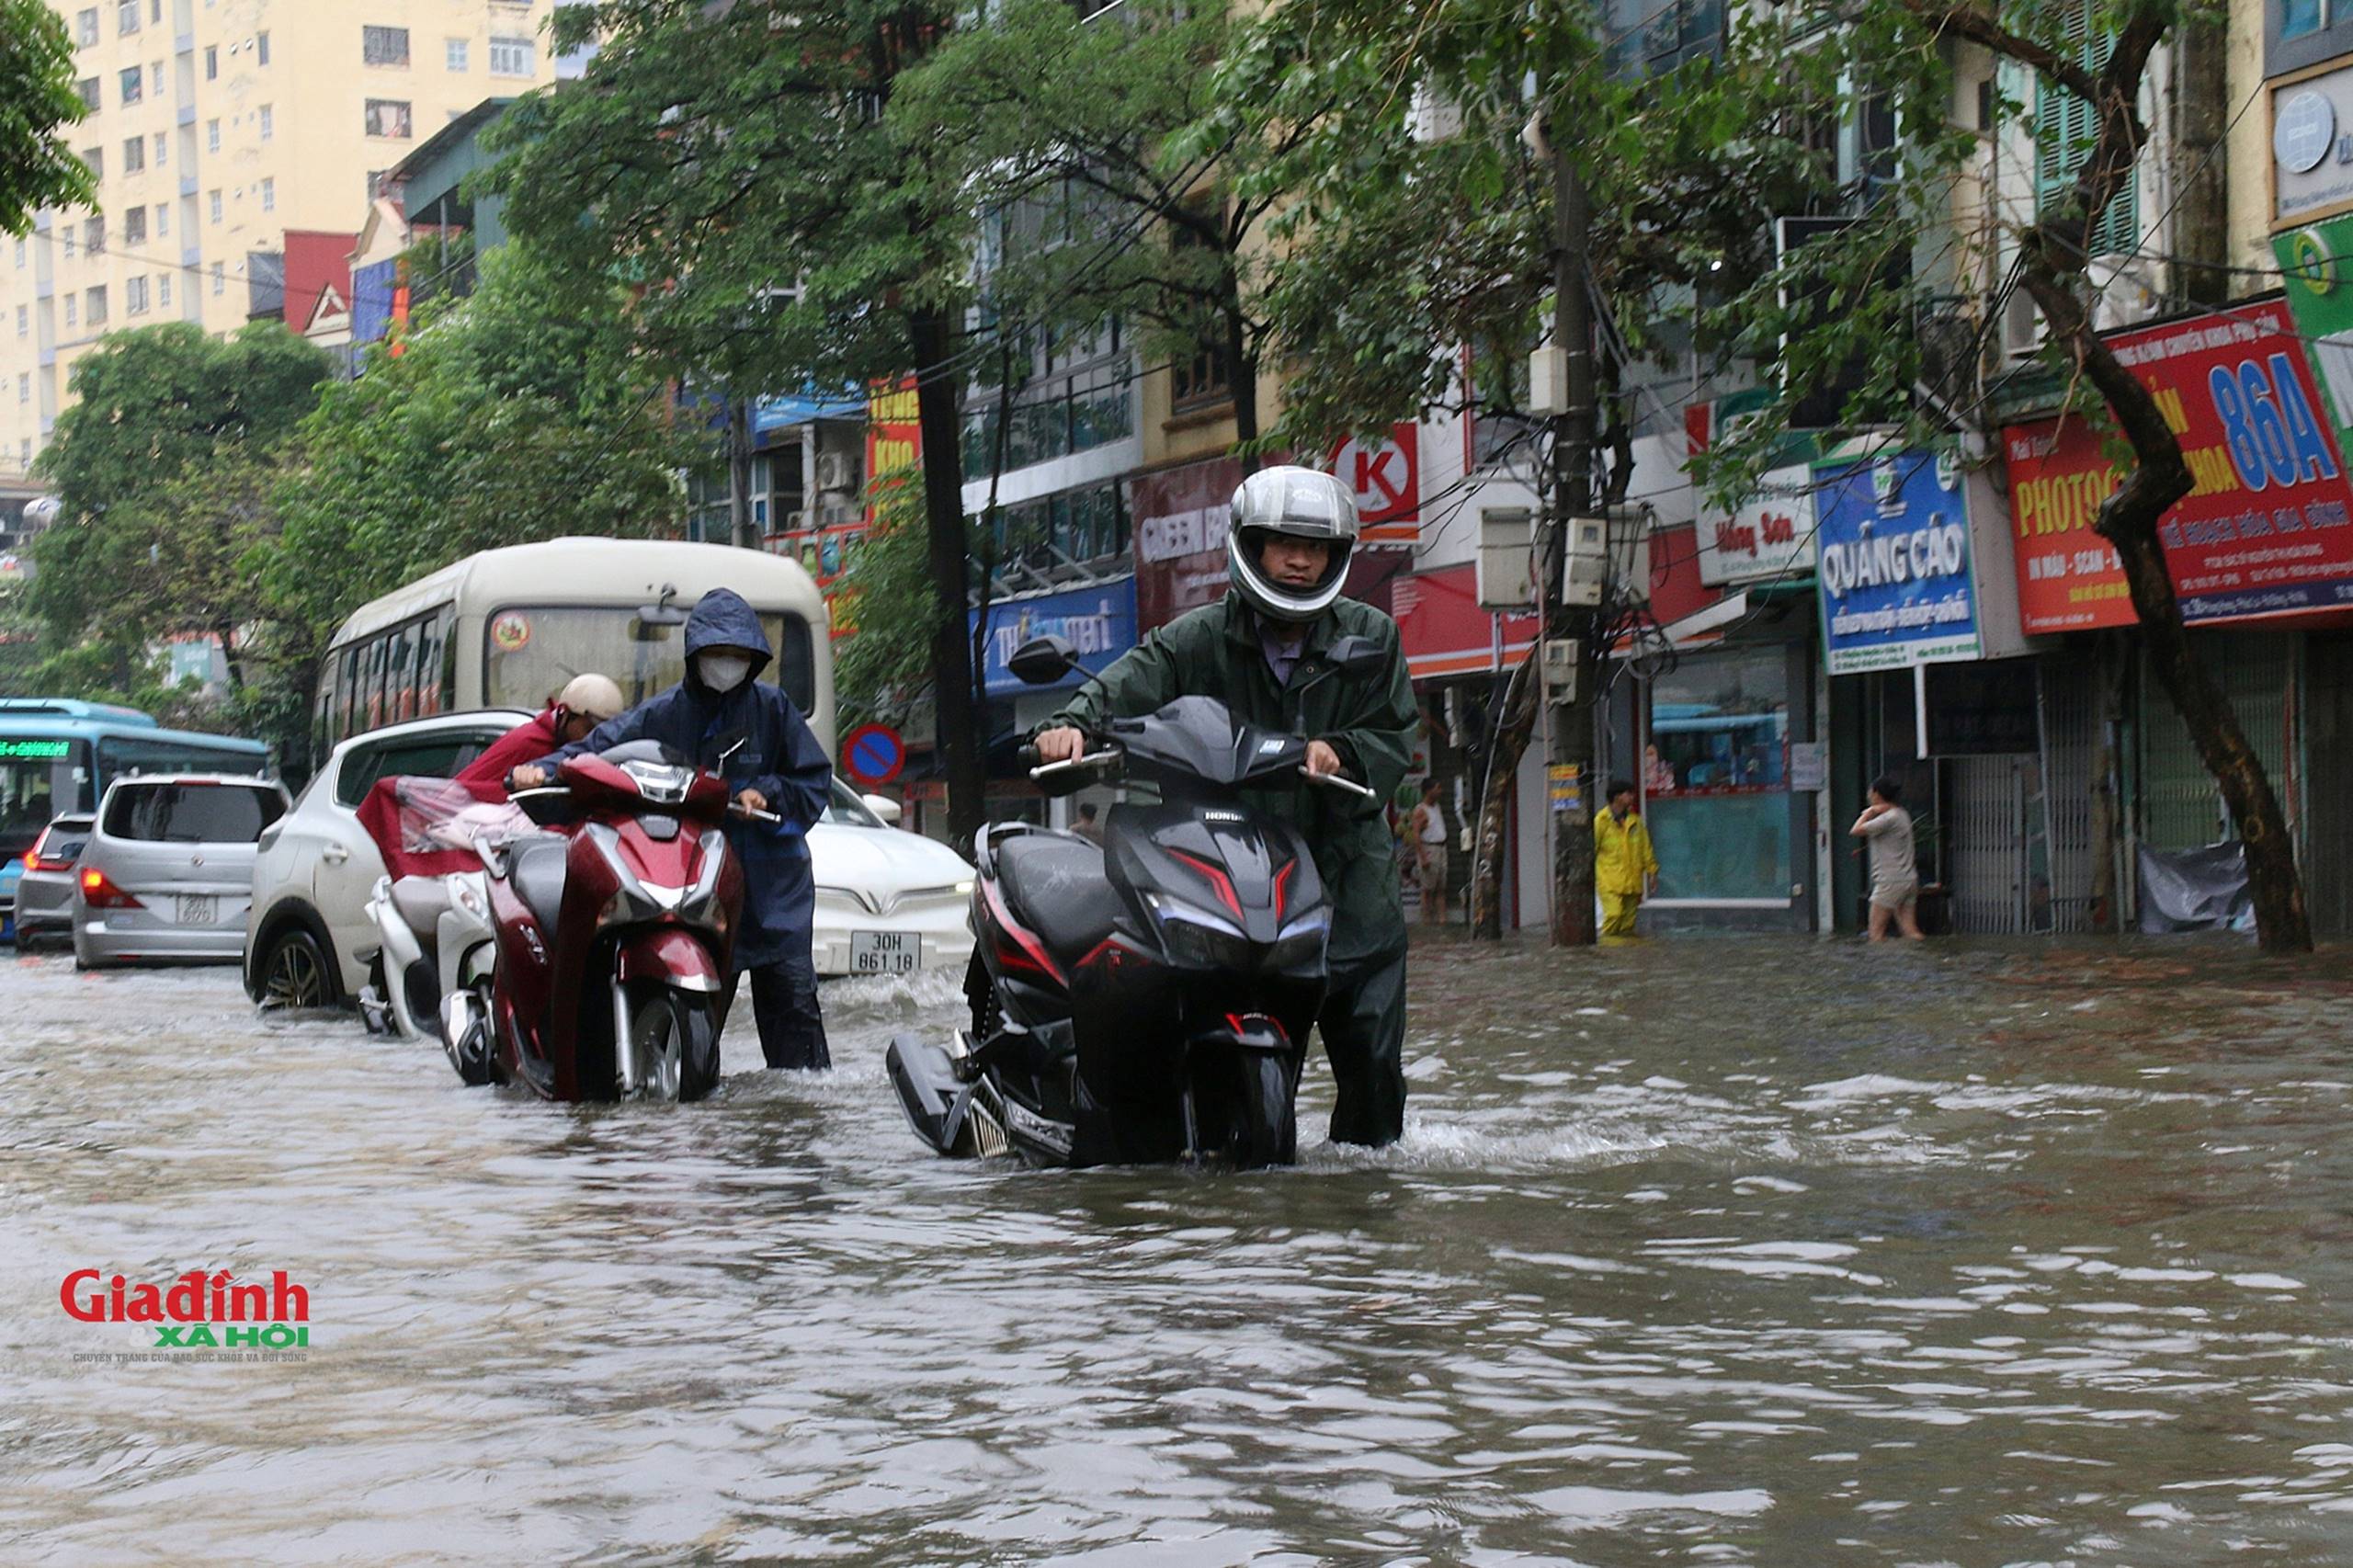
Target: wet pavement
x=1707 y=1251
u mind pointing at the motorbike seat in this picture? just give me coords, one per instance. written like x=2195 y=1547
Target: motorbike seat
x=538 y=876
x=1055 y=885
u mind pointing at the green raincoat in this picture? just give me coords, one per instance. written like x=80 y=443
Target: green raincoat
x=1368 y=719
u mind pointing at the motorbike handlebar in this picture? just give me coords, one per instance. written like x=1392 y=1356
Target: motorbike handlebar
x=1092 y=759
x=1334 y=781
x=739 y=809
x=1024 y=756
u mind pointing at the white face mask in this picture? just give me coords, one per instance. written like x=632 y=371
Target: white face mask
x=724 y=672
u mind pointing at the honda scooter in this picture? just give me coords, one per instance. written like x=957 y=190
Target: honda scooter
x=1148 y=1000
x=614 y=938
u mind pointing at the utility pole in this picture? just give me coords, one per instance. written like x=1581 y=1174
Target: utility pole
x=739 y=472
x=1570 y=724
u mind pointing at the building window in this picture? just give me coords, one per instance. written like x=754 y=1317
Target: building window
x=134 y=226
x=211 y=63
x=2064 y=132
x=69 y=242
x=134 y=83
x=23 y=320
x=20 y=255
x=266 y=122
x=453 y=53
x=2299 y=17
x=134 y=297
x=93 y=306
x=383 y=45
x=269 y=196
x=155 y=78
x=97 y=159
x=212 y=136
x=134 y=155
x=94 y=236
x=163 y=220
x=85 y=28
x=25 y=454
x=220 y=279
x=126 y=16
x=261 y=48
x=214 y=197
x=72 y=310
x=24 y=386
x=510 y=57
x=388 y=117
x=162 y=290
x=163 y=151
x=87 y=89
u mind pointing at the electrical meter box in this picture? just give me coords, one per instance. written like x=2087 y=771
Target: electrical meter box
x=1561 y=669
x=1506 y=571
x=1587 y=578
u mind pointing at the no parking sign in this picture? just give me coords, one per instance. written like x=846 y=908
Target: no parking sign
x=874 y=753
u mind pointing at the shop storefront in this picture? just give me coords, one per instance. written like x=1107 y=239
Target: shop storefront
x=2261 y=555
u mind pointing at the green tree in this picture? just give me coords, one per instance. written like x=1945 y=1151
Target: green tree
x=519 y=413
x=144 y=545
x=736 y=160
x=1099 y=149
x=37 y=97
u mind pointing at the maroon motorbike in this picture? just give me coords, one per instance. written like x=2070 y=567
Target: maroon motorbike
x=615 y=934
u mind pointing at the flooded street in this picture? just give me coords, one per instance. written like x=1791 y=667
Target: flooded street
x=1757 y=1251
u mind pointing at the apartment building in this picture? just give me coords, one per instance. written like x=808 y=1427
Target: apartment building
x=214 y=128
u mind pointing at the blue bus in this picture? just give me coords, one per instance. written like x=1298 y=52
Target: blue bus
x=57 y=756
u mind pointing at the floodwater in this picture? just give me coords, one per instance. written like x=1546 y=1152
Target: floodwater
x=1697 y=1251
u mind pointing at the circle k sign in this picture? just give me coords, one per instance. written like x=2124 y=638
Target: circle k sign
x=1387 y=479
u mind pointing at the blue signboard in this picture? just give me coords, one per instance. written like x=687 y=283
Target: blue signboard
x=1896 y=567
x=1098 y=622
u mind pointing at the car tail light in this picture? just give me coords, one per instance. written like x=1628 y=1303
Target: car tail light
x=33 y=862
x=100 y=893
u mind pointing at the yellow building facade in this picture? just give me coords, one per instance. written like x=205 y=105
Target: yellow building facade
x=215 y=127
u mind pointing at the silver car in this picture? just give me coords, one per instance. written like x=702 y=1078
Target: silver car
x=45 y=892
x=168 y=872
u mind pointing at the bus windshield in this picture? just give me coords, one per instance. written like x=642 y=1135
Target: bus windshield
x=41 y=777
x=529 y=653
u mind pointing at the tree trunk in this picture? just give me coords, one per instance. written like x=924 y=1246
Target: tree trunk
x=739 y=472
x=958 y=727
x=2127 y=519
x=1242 y=377
x=1507 y=740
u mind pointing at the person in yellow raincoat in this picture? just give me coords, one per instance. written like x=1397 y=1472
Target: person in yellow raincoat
x=1624 y=869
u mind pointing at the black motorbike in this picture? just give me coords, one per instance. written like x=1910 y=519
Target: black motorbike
x=1150 y=999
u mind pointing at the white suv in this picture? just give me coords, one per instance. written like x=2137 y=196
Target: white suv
x=308 y=939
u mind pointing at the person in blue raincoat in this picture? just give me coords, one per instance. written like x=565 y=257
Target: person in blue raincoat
x=780 y=768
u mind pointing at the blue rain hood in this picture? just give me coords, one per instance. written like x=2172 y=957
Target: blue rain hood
x=721 y=620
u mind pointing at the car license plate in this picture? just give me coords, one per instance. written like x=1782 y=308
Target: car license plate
x=194 y=908
x=884 y=952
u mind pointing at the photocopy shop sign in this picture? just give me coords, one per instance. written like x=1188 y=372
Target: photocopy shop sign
x=2267 y=529
x=1894 y=565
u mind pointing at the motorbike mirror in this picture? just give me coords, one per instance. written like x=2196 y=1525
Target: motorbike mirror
x=1042 y=661
x=1355 y=656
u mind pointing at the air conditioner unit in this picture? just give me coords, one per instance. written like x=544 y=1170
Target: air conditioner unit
x=834 y=472
x=796 y=522
x=2022 y=331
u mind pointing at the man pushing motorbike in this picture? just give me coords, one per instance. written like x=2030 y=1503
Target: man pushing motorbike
x=1260 y=651
x=778 y=767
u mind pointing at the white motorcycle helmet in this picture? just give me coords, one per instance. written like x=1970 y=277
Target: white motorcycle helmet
x=592 y=696
x=1300 y=502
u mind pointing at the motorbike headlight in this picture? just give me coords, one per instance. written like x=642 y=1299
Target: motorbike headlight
x=1301 y=946
x=1199 y=940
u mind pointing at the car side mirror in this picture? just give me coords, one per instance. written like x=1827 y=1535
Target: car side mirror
x=1042 y=661
x=1355 y=656
x=882 y=806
